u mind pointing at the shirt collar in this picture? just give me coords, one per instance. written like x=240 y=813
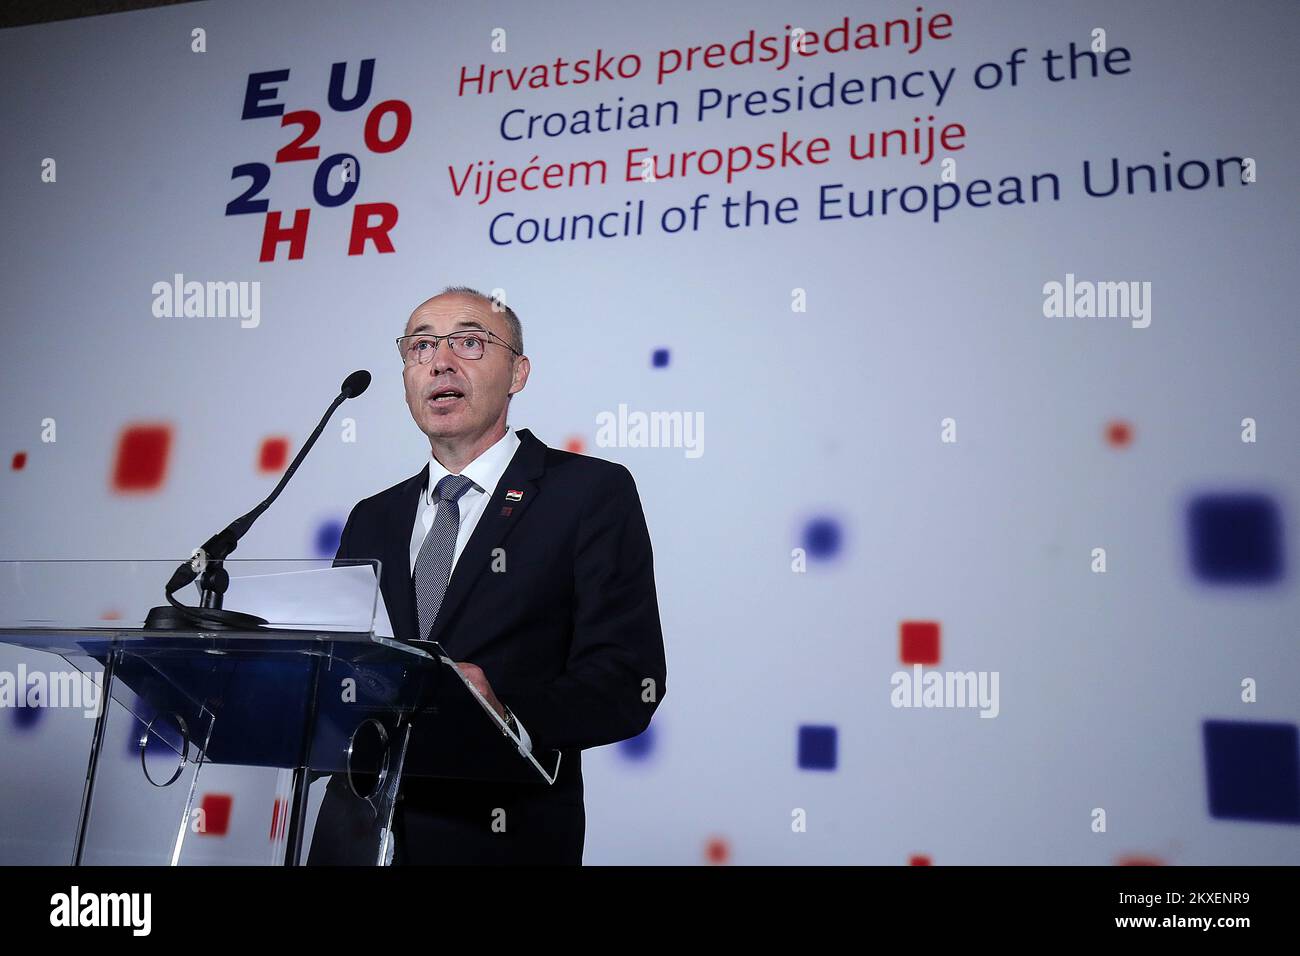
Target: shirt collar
x=485 y=470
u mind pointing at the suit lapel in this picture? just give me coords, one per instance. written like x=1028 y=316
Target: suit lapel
x=397 y=556
x=514 y=494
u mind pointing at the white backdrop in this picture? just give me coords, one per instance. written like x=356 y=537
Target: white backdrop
x=829 y=416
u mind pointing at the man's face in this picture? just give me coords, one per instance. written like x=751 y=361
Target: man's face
x=477 y=390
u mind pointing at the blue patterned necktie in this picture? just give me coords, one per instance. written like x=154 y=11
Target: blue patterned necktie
x=433 y=565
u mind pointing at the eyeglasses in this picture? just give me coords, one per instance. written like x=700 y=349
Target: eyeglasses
x=470 y=344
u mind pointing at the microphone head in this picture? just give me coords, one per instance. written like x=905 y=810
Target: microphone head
x=355 y=384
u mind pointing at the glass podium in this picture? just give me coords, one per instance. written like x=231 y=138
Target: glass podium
x=129 y=746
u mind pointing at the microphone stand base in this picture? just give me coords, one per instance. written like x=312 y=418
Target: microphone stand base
x=167 y=617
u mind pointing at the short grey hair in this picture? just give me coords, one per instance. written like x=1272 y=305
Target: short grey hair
x=512 y=320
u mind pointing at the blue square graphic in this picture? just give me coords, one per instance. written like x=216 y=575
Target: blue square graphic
x=822 y=538
x=817 y=747
x=1252 y=771
x=328 y=536
x=1236 y=539
x=639 y=747
x=25 y=718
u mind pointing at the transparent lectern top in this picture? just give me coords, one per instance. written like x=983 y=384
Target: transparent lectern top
x=74 y=602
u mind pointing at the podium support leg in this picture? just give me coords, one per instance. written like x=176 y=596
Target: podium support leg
x=302 y=778
x=96 y=747
x=297 y=818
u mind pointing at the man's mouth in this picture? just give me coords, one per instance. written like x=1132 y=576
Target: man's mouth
x=446 y=396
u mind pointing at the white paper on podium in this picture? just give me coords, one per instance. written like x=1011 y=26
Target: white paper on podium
x=322 y=599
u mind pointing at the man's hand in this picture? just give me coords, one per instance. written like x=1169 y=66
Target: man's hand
x=476 y=677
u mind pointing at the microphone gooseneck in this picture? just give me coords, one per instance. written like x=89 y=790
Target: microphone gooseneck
x=217 y=548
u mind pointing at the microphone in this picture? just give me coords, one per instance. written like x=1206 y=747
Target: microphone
x=217 y=548
x=355 y=384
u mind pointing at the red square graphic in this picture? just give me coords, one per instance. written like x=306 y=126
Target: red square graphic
x=920 y=859
x=1119 y=434
x=278 y=819
x=20 y=460
x=274 y=455
x=717 y=851
x=141 y=463
x=919 y=642
x=216 y=813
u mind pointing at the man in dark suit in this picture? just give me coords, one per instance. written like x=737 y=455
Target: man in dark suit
x=531 y=566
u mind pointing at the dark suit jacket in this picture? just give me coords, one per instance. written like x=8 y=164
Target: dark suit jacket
x=568 y=636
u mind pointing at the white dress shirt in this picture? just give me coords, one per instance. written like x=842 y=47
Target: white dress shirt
x=485 y=472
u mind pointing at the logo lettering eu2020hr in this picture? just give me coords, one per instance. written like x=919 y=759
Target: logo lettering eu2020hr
x=337 y=177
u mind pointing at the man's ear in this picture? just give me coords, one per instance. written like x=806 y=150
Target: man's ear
x=519 y=378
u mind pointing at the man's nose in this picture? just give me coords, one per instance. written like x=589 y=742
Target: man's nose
x=444 y=359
